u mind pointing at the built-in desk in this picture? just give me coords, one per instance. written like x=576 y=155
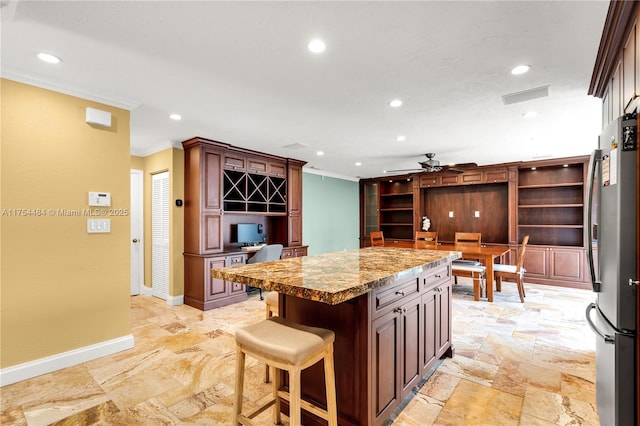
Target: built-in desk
x=389 y=307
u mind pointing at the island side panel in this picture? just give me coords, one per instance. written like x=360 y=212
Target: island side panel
x=350 y=321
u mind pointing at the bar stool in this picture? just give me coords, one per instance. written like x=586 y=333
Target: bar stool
x=271 y=302
x=291 y=347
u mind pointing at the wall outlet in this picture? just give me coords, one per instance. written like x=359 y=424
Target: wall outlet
x=98 y=226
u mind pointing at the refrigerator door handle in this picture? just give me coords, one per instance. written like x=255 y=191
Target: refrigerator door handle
x=596 y=157
x=606 y=337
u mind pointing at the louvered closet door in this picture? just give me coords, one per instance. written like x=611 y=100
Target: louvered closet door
x=160 y=235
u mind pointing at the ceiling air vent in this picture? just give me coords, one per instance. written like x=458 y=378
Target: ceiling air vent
x=526 y=95
x=295 y=146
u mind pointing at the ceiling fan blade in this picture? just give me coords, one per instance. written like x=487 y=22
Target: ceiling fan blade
x=404 y=170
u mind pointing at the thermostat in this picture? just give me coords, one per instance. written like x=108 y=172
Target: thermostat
x=102 y=199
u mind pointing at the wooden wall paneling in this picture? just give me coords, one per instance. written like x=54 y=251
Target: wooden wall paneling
x=616 y=94
x=629 y=68
x=512 y=200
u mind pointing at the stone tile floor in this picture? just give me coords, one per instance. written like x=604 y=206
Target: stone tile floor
x=515 y=364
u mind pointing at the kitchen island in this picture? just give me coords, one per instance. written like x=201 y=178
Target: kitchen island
x=390 y=309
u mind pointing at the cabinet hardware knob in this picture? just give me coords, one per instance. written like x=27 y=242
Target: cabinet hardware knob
x=400 y=293
x=632 y=282
x=438 y=276
x=135 y=240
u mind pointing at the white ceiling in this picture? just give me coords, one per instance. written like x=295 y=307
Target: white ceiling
x=240 y=73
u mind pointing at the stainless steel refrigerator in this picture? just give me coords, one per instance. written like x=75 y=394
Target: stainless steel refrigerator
x=610 y=236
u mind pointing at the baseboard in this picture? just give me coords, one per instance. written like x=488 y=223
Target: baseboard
x=146 y=291
x=62 y=360
x=175 y=300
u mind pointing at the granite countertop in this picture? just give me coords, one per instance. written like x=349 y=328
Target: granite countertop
x=336 y=277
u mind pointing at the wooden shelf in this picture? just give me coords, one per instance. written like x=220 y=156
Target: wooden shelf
x=546 y=206
x=397 y=209
x=396 y=224
x=551 y=185
x=550 y=226
x=396 y=194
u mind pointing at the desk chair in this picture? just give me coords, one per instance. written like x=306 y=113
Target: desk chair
x=469 y=239
x=425 y=240
x=265 y=254
x=377 y=239
x=515 y=272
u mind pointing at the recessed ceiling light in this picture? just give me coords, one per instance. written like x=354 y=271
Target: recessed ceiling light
x=49 y=58
x=358 y=164
x=530 y=114
x=533 y=168
x=395 y=103
x=316 y=46
x=520 y=69
x=320 y=153
x=565 y=165
x=176 y=117
x=401 y=138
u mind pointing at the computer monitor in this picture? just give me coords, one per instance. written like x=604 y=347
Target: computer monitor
x=250 y=233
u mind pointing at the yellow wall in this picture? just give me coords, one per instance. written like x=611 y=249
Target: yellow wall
x=60 y=287
x=171 y=160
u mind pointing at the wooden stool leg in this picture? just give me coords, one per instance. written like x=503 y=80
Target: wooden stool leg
x=237 y=402
x=295 y=417
x=330 y=385
x=277 y=417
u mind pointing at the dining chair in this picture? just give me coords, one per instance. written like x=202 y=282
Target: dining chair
x=468 y=238
x=515 y=272
x=377 y=239
x=425 y=240
x=265 y=254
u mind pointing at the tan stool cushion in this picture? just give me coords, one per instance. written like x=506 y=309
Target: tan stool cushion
x=283 y=340
x=271 y=298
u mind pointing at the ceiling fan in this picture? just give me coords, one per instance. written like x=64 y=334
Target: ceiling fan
x=431 y=166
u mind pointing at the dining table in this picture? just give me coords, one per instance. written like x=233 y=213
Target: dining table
x=486 y=254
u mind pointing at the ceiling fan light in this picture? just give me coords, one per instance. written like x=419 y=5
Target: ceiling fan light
x=520 y=69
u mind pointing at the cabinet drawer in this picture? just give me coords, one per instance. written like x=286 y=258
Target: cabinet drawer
x=236 y=259
x=293 y=252
x=471 y=177
x=277 y=169
x=496 y=175
x=429 y=181
x=234 y=162
x=450 y=179
x=387 y=297
x=256 y=165
x=436 y=276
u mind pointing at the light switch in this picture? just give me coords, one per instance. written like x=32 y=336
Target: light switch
x=476 y=213
x=98 y=226
x=451 y=213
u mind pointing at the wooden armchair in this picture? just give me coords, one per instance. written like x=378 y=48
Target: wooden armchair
x=515 y=272
x=425 y=240
x=377 y=239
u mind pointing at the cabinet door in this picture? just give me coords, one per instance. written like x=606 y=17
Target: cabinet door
x=494 y=175
x=411 y=342
x=215 y=288
x=471 y=177
x=212 y=232
x=427 y=181
x=566 y=264
x=430 y=329
x=385 y=361
x=450 y=180
x=212 y=197
x=443 y=309
x=234 y=161
x=278 y=169
x=535 y=262
x=257 y=165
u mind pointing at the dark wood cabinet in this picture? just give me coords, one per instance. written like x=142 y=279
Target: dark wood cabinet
x=203 y=292
x=288 y=252
x=411 y=329
x=224 y=186
x=550 y=265
x=504 y=202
